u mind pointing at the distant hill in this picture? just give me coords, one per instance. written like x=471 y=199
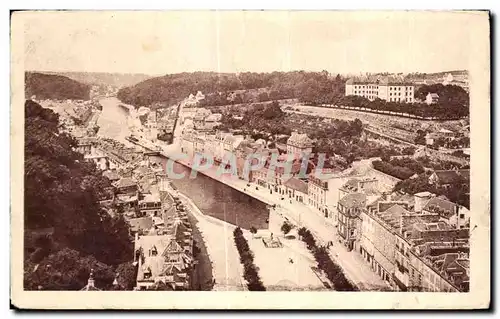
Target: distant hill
x=456 y=74
x=227 y=88
x=51 y=86
x=100 y=78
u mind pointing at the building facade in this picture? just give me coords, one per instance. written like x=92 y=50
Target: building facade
x=387 y=90
x=299 y=145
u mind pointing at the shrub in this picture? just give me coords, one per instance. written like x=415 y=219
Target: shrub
x=250 y=271
x=286 y=227
x=332 y=270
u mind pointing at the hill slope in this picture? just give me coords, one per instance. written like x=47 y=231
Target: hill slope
x=62 y=193
x=100 y=78
x=57 y=87
x=172 y=88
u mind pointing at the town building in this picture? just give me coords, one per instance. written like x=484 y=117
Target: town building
x=349 y=208
x=431 y=98
x=390 y=90
x=299 y=145
x=140 y=225
x=447 y=178
x=408 y=246
x=126 y=186
x=296 y=189
x=112 y=175
x=164 y=255
x=150 y=205
x=84 y=146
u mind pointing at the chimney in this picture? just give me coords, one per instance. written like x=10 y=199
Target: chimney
x=401 y=224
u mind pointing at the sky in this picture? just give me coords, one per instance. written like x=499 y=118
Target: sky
x=238 y=41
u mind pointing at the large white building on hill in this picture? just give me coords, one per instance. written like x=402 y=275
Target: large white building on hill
x=388 y=90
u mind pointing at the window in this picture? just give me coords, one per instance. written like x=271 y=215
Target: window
x=462 y=216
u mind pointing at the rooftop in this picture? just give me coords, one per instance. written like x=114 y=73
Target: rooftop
x=111 y=175
x=452 y=176
x=296 y=184
x=141 y=223
x=353 y=200
x=446 y=206
x=299 y=140
x=125 y=182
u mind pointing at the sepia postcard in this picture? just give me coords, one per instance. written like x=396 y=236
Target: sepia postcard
x=250 y=160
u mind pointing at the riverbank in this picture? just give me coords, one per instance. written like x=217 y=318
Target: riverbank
x=203 y=273
x=355 y=267
x=221 y=251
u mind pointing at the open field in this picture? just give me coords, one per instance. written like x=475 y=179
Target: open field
x=407 y=124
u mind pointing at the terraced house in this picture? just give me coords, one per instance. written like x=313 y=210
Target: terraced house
x=164 y=255
x=405 y=243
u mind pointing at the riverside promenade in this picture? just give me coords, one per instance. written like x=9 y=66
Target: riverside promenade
x=355 y=267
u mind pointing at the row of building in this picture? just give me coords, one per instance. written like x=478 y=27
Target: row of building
x=77 y=117
x=158 y=224
x=414 y=242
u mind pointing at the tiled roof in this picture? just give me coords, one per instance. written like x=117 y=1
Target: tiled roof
x=299 y=140
x=111 y=175
x=378 y=79
x=229 y=139
x=141 y=223
x=353 y=200
x=394 y=216
x=351 y=185
x=170 y=269
x=125 y=182
x=172 y=247
x=448 y=207
x=296 y=184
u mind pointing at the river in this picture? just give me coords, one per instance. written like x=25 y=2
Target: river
x=212 y=197
x=113 y=122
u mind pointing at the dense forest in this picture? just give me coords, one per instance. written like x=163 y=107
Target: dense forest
x=66 y=231
x=54 y=87
x=220 y=88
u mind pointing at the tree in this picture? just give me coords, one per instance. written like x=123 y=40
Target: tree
x=127 y=275
x=409 y=150
x=66 y=269
x=286 y=227
x=62 y=192
x=253 y=230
